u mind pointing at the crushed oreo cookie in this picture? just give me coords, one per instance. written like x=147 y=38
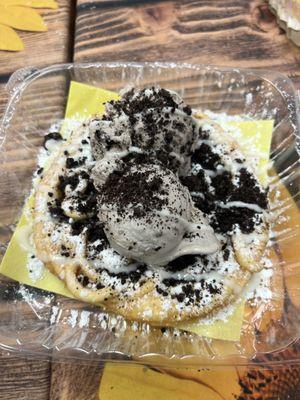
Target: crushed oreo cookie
x=131 y=103
x=56 y=136
x=56 y=211
x=74 y=163
x=95 y=237
x=181 y=263
x=226 y=219
x=84 y=202
x=127 y=187
x=221 y=189
x=189 y=293
x=132 y=276
x=195 y=183
x=248 y=191
x=125 y=278
x=223 y=186
x=206 y=157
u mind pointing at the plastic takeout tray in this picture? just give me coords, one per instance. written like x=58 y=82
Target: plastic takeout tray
x=45 y=324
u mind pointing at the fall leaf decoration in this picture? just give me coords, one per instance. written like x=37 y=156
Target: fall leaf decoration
x=21 y=15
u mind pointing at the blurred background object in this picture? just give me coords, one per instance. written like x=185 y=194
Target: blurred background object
x=288 y=17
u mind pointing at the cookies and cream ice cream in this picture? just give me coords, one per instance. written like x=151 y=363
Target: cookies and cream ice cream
x=141 y=144
x=148 y=215
x=154 y=120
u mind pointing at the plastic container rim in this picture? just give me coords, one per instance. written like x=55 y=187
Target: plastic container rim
x=21 y=78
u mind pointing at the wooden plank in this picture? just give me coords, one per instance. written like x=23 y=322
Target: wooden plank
x=23 y=379
x=41 y=48
x=239 y=33
x=30 y=378
x=75 y=380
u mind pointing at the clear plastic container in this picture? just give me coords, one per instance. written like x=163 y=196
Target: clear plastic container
x=50 y=325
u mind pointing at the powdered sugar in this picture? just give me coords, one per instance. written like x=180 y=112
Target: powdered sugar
x=84 y=319
x=35 y=268
x=115 y=263
x=36 y=302
x=54 y=314
x=72 y=320
x=258 y=290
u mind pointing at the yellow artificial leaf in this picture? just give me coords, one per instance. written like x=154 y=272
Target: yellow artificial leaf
x=223 y=381
x=22 y=18
x=30 y=3
x=9 y=39
x=135 y=382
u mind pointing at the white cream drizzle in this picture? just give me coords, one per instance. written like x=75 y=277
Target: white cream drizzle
x=186 y=276
x=241 y=204
x=24 y=238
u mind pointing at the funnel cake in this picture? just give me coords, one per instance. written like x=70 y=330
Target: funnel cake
x=151 y=211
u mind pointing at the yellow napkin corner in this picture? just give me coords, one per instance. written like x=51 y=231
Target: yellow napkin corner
x=228 y=329
x=84 y=101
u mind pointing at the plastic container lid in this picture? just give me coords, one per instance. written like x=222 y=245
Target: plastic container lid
x=45 y=324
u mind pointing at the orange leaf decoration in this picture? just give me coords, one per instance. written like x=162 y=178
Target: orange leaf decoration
x=20 y=14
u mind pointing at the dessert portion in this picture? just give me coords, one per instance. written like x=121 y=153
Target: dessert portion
x=151 y=211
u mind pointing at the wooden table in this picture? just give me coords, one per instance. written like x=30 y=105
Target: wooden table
x=230 y=33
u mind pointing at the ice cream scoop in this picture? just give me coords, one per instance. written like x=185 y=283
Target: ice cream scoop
x=155 y=120
x=148 y=215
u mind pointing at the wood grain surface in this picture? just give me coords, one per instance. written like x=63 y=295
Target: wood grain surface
x=21 y=378
x=41 y=48
x=239 y=33
x=73 y=381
